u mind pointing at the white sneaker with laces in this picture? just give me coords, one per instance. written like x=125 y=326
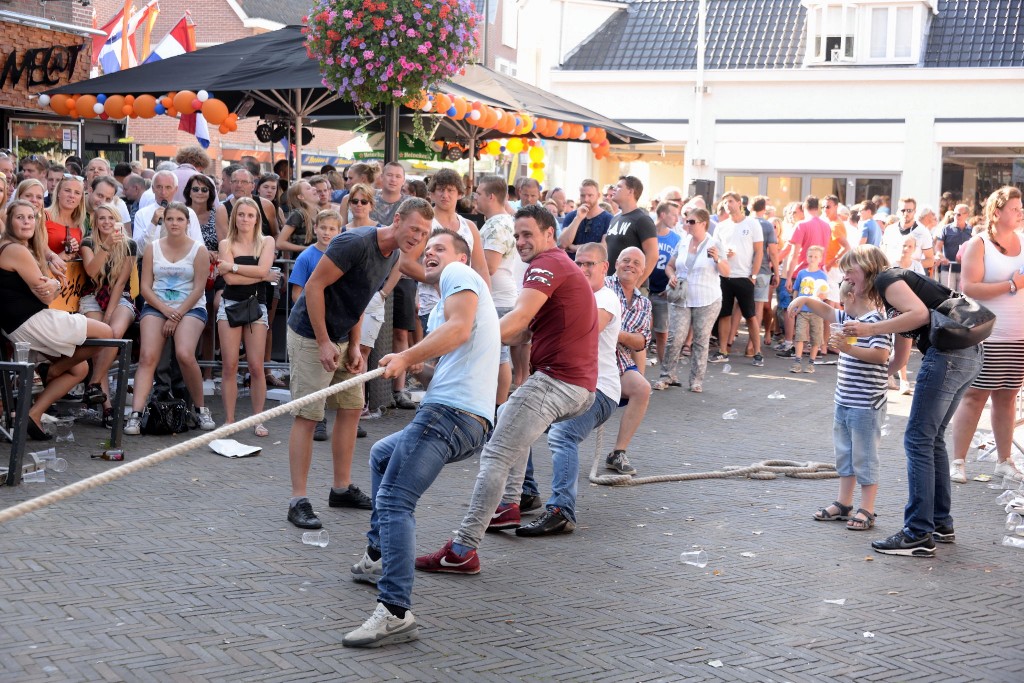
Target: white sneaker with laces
x=958 y=472
x=206 y=422
x=134 y=424
x=1006 y=468
x=904 y=387
x=383 y=628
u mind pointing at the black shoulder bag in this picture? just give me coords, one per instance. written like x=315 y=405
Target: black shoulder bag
x=244 y=312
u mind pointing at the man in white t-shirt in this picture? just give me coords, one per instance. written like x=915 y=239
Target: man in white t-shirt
x=742 y=238
x=498 y=237
x=896 y=234
x=149 y=220
x=564 y=438
x=451 y=425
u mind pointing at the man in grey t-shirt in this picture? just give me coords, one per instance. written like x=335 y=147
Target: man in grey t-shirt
x=389 y=196
x=323 y=346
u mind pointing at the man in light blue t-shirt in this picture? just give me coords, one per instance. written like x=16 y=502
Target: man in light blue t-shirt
x=452 y=423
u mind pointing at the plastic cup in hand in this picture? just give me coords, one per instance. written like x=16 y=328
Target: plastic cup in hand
x=318 y=538
x=730 y=414
x=694 y=558
x=21 y=350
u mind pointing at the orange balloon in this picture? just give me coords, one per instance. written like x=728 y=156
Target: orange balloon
x=167 y=101
x=70 y=103
x=172 y=112
x=415 y=102
x=215 y=111
x=183 y=101
x=59 y=104
x=84 y=106
x=114 y=106
x=461 y=106
x=129 y=110
x=145 y=106
x=442 y=103
x=224 y=129
x=129 y=99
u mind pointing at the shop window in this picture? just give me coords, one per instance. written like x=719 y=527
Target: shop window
x=746 y=185
x=782 y=190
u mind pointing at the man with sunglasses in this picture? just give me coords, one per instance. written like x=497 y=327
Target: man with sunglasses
x=907 y=226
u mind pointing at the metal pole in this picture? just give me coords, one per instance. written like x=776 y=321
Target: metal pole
x=297 y=167
x=391 y=133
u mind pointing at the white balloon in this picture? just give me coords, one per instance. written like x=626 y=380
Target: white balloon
x=98 y=108
x=202 y=95
x=44 y=100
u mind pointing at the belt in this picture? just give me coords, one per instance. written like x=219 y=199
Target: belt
x=482 y=421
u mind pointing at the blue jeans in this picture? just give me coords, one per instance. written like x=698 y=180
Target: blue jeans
x=564 y=439
x=941 y=382
x=539 y=402
x=403 y=466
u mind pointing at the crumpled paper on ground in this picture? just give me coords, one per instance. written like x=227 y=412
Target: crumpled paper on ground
x=230 y=448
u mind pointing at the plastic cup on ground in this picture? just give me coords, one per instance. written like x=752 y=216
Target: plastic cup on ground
x=730 y=414
x=36 y=477
x=694 y=558
x=21 y=350
x=318 y=538
x=1013 y=542
x=1013 y=520
x=726 y=369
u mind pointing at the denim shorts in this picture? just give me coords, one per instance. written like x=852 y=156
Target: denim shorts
x=855 y=434
x=222 y=312
x=197 y=313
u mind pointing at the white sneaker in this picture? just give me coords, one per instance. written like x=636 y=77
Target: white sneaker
x=367 y=570
x=134 y=424
x=904 y=387
x=1006 y=468
x=383 y=628
x=958 y=472
x=206 y=422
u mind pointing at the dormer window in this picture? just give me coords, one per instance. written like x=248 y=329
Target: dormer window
x=866 y=31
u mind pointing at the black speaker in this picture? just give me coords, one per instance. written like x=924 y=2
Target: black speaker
x=704 y=188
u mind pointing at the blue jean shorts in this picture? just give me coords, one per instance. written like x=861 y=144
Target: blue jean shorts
x=855 y=435
x=197 y=313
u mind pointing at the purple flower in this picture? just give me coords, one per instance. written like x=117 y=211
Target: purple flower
x=347 y=14
x=367 y=54
x=423 y=49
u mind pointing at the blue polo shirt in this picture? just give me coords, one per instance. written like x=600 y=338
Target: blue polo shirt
x=591 y=229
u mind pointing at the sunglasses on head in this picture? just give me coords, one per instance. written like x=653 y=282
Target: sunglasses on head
x=361 y=202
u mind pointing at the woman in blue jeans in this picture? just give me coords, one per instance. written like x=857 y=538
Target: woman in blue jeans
x=942 y=380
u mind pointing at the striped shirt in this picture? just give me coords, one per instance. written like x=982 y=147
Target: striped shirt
x=636 y=319
x=861 y=384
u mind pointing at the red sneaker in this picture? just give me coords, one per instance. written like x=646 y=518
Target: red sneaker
x=446 y=561
x=505 y=517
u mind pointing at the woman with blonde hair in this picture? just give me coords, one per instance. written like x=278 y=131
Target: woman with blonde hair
x=298 y=229
x=358 y=174
x=944 y=375
x=108 y=257
x=65 y=219
x=26 y=317
x=246 y=256
x=991 y=273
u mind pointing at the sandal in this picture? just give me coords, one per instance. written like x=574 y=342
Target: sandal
x=660 y=385
x=260 y=430
x=273 y=381
x=686 y=350
x=94 y=395
x=864 y=523
x=823 y=515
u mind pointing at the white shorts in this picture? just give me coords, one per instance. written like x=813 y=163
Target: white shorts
x=52 y=333
x=373 y=319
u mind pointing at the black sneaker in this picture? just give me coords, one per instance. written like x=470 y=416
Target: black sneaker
x=944 y=534
x=352 y=497
x=787 y=353
x=550 y=522
x=360 y=432
x=618 y=462
x=320 y=431
x=718 y=357
x=900 y=544
x=528 y=502
x=758 y=360
x=301 y=515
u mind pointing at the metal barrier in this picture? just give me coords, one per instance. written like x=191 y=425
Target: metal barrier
x=16 y=388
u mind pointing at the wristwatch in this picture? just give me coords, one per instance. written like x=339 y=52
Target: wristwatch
x=234 y=267
x=1013 y=287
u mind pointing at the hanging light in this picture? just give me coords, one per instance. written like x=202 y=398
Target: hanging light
x=264 y=132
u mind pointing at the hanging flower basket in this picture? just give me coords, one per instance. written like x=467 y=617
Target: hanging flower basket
x=385 y=52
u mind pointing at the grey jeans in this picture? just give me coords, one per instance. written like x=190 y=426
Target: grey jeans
x=540 y=401
x=681 y=320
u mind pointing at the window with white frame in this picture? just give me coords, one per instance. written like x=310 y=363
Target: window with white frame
x=504 y=66
x=866 y=31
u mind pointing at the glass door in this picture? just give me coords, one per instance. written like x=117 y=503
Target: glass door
x=54 y=140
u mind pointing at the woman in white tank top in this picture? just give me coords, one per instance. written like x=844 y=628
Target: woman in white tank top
x=992 y=273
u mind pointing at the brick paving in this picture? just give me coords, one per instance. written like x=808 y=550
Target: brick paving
x=189 y=571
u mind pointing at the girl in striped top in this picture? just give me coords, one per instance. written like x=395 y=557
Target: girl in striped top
x=860 y=404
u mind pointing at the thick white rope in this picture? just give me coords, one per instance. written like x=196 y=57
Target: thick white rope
x=766 y=469
x=24 y=508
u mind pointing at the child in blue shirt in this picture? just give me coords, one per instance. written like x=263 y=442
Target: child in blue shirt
x=809 y=328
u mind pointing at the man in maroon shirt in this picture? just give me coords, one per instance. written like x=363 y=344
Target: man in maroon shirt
x=556 y=308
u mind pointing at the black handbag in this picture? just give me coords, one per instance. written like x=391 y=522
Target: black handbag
x=959 y=323
x=165 y=417
x=244 y=312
